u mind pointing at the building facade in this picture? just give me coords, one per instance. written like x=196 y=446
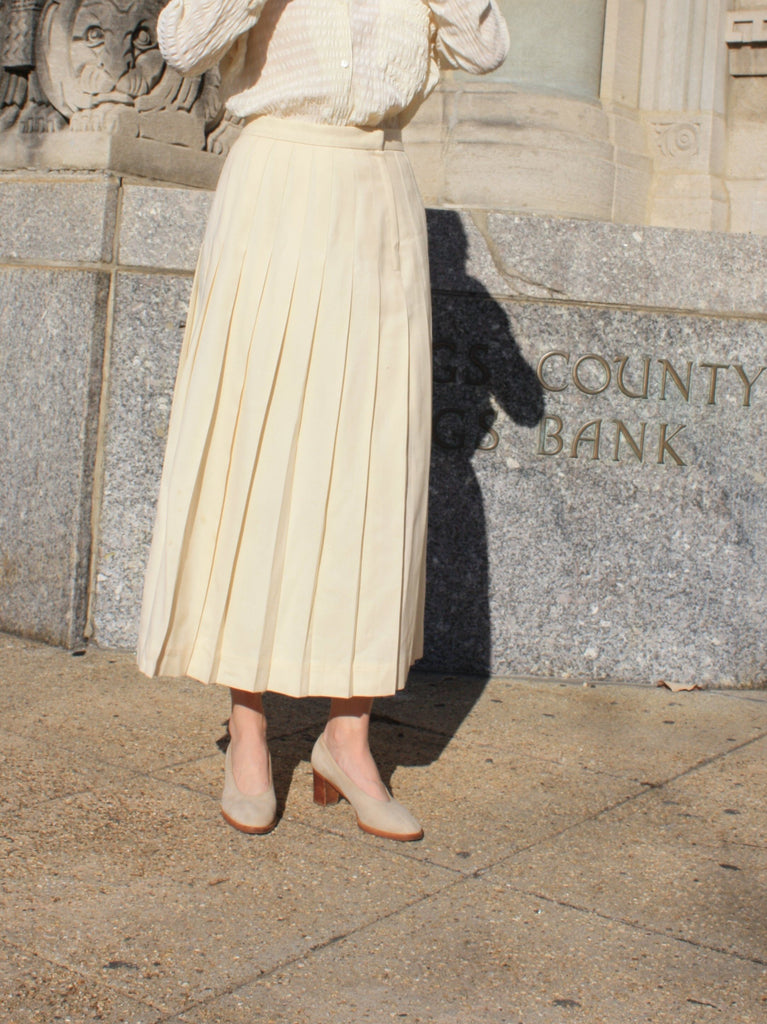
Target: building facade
x=631 y=111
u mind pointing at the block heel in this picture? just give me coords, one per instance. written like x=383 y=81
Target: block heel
x=324 y=793
x=385 y=818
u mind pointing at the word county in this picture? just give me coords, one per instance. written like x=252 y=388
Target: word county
x=639 y=379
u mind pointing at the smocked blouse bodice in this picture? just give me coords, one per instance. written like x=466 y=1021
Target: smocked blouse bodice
x=341 y=62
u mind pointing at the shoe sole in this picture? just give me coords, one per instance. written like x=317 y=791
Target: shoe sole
x=251 y=830
x=410 y=837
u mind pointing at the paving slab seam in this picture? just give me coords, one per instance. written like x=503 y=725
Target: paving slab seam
x=216 y=994
x=362 y=840
x=706 y=761
x=286 y=734
x=277 y=735
x=403 y=851
x=143 y=773
x=478 y=872
x=644 y=929
x=311 y=951
x=84 y=975
x=648 y=788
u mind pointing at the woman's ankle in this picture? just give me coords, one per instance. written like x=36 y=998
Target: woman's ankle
x=247 y=721
x=348 y=724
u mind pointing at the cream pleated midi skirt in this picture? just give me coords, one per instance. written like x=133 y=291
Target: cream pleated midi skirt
x=289 y=544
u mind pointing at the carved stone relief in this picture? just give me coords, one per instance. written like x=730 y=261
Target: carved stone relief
x=73 y=66
x=21 y=100
x=677 y=139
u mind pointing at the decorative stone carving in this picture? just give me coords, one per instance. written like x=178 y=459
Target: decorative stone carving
x=90 y=75
x=677 y=139
x=100 y=66
x=21 y=99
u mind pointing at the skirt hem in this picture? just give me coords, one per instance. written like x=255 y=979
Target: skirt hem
x=366 y=683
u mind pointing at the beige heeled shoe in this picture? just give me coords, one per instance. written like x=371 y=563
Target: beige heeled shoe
x=255 y=815
x=385 y=818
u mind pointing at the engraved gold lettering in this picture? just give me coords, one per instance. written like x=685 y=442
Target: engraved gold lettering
x=715 y=368
x=581 y=438
x=669 y=371
x=748 y=384
x=622 y=431
x=478 y=372
x=544 y=435
x=542 y=363
x=645 y=378
x=486 y=421
x=592 y=357
x=664 y=445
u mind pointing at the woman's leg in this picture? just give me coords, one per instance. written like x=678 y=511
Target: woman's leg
x=346 y=736
x=250 y=754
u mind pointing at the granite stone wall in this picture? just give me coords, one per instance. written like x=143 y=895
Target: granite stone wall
x=598 y=500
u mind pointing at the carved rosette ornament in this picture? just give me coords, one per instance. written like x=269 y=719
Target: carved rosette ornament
x=95 y=66
x=677 y=139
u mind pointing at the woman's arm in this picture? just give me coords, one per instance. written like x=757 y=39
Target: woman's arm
x=471 y=34
x=193 y=35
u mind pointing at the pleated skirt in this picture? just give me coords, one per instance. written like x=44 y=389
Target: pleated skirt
x=289 y=545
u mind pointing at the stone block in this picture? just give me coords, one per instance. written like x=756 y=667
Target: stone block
x=582 y=261
x=66 y=220
x=527 y=180
x=51 y=350
x=149 y=317
x=162 y=227
x=580 y=527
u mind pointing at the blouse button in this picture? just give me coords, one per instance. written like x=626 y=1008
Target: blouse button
x=344 y=63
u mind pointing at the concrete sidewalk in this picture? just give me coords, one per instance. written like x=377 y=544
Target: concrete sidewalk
x=592 y=854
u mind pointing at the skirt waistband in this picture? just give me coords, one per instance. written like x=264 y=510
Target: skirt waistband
x=311 y=134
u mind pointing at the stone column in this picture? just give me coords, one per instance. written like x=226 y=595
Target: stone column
x=682 y=100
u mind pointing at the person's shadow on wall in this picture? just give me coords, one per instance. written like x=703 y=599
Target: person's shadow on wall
x=479 y=375
x=478 y=369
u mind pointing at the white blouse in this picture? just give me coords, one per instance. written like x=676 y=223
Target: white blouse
x=356 y=62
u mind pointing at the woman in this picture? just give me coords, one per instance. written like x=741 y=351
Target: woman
x=289 y=545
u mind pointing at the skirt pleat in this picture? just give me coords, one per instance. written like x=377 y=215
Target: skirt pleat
x=289 y=544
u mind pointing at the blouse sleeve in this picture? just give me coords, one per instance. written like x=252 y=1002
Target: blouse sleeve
x=471 y=34
x=193 y=35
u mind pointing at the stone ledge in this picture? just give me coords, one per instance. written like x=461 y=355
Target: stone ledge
x=147 y=158
x=515 y=256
